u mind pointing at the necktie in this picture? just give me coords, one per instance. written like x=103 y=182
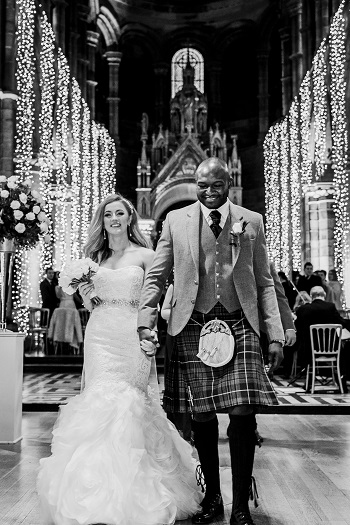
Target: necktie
x=215 y=216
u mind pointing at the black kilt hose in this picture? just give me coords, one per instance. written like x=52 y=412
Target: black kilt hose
x=190 y=385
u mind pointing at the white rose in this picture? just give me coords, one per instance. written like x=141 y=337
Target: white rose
x=18 y=214
x=36 y=209
x=20 y=228
x=41 y=216
x=43 y=227
x=11 y=185
x=237 y=228
x=23 y=198
x=36 y=194
x=13 y=178
x=47 y=238
x=15 y=205
x=27 y=183
x=4 y=194
x=30 y=216
x=2 y=178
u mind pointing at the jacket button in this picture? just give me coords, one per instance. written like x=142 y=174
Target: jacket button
x=195 y=282
x=193 y=301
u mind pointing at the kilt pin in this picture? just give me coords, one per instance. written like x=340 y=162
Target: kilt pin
x=191 y=386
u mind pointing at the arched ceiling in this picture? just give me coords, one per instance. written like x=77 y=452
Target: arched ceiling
x=167 y=15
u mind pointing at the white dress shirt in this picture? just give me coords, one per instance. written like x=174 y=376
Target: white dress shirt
x=224 y=210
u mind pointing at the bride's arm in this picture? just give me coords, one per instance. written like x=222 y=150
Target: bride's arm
x=85 y=289
x=148 y=260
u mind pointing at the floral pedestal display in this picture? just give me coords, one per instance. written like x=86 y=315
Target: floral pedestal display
x=22 y=223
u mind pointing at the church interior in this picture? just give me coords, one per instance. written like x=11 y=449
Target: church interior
x=130 y=96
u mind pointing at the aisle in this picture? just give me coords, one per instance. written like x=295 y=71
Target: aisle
x=45 y=391
x=302 y=470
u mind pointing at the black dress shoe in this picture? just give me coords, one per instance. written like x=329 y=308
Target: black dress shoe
x=211 y=507
x=240 y=517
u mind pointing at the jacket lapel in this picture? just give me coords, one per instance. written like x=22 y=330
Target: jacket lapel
x=192 y=228
x=235 y=249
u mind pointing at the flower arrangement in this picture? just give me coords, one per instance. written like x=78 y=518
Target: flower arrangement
x=21 y=213
x=78 y=272
x=238 y=229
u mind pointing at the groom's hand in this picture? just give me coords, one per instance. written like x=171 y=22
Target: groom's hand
x=145 y=333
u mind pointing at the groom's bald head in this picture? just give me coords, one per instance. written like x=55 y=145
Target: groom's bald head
x=213 y=182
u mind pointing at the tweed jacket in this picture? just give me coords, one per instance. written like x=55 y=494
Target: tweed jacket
x=178 y=247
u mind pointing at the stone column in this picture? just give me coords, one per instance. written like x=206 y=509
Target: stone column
x=286 y=77
x=114 y=59
x=8 y=94
x=59 y=23
x=263 y=95
x=295 y=9
x=214 y=70
x=161 y=71
x=82 y=76
x=92 y=42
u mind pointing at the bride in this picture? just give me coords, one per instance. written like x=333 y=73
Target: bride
x=116 y=459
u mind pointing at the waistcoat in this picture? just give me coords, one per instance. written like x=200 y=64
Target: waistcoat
x=215 y=269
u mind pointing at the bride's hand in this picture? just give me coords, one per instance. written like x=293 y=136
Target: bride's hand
x=148 y=348
x=85 y=289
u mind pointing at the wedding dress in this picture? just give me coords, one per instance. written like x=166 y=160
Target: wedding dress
x=116 y=459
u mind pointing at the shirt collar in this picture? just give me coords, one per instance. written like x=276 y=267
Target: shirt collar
x=224 y=210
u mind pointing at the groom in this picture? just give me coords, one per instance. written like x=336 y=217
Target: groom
x=221 y=270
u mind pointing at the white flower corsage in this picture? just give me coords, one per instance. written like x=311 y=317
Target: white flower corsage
x=237 y=230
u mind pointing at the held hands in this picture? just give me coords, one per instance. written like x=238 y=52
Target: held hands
x=275 y=356
x=148 y=341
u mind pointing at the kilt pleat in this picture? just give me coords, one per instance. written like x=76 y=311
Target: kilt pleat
x=190 y=385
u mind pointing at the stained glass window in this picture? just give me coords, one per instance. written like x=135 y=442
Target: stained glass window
x=179 y=62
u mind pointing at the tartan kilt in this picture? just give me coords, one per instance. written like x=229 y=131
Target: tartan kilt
x=190 y=385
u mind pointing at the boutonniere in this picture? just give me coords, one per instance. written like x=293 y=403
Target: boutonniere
x=237 y=230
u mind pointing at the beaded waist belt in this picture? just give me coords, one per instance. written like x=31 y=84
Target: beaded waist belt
x=119 y=303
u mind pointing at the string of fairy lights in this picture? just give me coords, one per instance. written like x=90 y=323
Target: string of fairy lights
x=288 y=163
x=340 y=141
x=76 y=159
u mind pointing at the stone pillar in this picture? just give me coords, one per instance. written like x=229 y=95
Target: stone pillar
x=73 y=39
x=263 y=95
x=161 y=72
x=7 y=132
x=59 y=23
x=295 y=9
x=113 y=58
x=286 y=77
x=92 y=43
x=214 y=74
x=321 y=21
x=82 y=76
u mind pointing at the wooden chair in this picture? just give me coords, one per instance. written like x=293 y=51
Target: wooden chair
x=325 y=346
x=38 y=326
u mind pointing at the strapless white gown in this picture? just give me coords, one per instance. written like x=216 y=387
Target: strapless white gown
x=116 y=459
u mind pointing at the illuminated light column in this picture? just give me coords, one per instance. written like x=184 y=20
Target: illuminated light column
x=92 y=42
x=263 y=95
x=86 y=173
x=285 y=197
x=113 y=59
x=295 y=186
x=76 y=169
x=305 y=118
x=319 y=78
x=273 y=194
x=338 y=87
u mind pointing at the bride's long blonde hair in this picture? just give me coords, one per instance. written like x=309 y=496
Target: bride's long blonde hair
x=96 y=246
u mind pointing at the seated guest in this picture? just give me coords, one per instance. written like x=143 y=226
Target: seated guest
x=319 y=311
x=325 y=286
x=302 y=298
x=48 y=292
x=309 y=280
x=336 y=287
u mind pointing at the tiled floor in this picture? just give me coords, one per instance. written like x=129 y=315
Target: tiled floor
x=57 y=388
